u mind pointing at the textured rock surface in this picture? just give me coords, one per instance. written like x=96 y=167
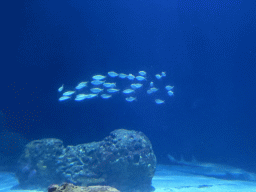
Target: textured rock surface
x=124 y=160
x=72 y=188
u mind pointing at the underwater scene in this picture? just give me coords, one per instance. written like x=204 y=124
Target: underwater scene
x=129 y=96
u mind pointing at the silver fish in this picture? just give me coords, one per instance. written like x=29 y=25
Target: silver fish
x=163 y=74
x=68 y=93
x=112 y=74
x=130 y=99
x=127 y=91
x=92 y=95
x=143 y=73
x=170 y=93
x=64 y=98
x=136 y=85
x=61 y=88
x=81 y=85
x=158 y=76
x=122 y=75
x=149 y=91
x=96 y=90
x=153 y=89
x=81 y=97
x=151 y=84
x=112 y=90
x=97 y=82
x=168 y=87
x=109 y=85
x=140 y=78
x=159 y=101
x=106 y=96
x=98 y=77
x=131 y=77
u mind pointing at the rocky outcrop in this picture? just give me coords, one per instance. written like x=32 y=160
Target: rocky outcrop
x=124 y=160
x=72 y=188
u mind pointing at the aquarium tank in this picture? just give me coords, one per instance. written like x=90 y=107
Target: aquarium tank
x=128 y=95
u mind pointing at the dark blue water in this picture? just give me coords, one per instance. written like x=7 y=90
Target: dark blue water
x=207 y=49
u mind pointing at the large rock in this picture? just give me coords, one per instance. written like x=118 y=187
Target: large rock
x=124 y=160
x=66 y=187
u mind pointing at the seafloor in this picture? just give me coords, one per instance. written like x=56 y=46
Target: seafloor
x=166 y=179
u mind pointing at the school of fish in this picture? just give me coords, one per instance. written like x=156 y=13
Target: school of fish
x=100 y=86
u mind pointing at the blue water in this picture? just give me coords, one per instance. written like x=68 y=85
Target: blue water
x=206 y=48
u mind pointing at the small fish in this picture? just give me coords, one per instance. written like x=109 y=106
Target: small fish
x=68 y=93
x=170 y=93
x=92 y=95
x=112 y=90
x=130 y=99
x=98 y=77
x=63 y=98
x=131 y=77
x=168 y=87
x=136 y=85
x=122 y=75
x=81 y=97
x=163 y=74
x=149 y=91
x=96 y=90
x=61 y=88
x=127 y=91
x=153 y=89
x=159 y=101
x=151 y=84
x=97 y=82
x=143 y=73
x=105 y=96
x=109 y=85
x=158 y=76
x=81 y=85
x=140 y=78
x=112 y=74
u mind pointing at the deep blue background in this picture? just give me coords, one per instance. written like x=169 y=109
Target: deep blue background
x=207 y=49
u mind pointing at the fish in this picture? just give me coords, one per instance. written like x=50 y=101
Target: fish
x=131 y=77
x=136 y=85
x=128 y=91
x=158 y=76
x=97 y=82
x=81 y=97
x=151 y=84
x=63 y=98
x=68 y=93
x=153 y=89
x=96 y=90
x=140 y=78
x=170 y=93
x=105 y=96
x=149 y=91
x=112 y=90
x=143 y=73
x=61 y=88
x=169 y=87
x=112 y=74
x=122 y=75
x=211 y=170
x=98 y=77
x=109 y=85
x=81 y=85
x=130 y=99
x=92 y=95
x=163 y=74
x=159 y=101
